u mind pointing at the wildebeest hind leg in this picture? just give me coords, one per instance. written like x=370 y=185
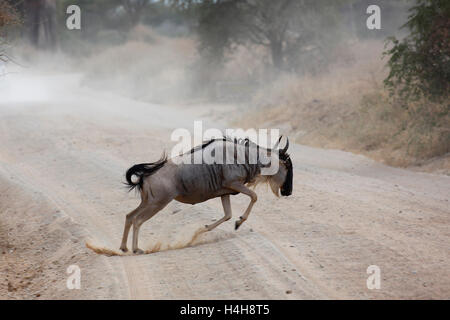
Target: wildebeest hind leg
x=227 y=210
x=149 y=211
x=128 y=223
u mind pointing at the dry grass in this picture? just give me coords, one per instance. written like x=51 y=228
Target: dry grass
x=243 y=63
x=148 y=67
x=349 y=109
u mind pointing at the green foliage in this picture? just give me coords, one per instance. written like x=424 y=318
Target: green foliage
x=420 y=63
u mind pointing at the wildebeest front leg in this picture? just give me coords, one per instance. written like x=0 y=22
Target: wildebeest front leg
x=253 y=198
x=227 y=210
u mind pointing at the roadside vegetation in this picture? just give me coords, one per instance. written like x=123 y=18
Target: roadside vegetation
x=395 y=109
x=9 y=18
x=311 y=68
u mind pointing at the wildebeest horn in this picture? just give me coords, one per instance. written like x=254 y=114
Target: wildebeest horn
x=286 y=147
x=276 y=144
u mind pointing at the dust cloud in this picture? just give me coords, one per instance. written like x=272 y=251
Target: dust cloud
x=183 y=240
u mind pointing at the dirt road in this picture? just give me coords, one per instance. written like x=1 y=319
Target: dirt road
x=64 y=151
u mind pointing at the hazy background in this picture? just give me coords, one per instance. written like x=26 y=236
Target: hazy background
x=79 y=107
x=311 y=68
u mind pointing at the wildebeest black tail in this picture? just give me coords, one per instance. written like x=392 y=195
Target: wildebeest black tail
x=141 y=171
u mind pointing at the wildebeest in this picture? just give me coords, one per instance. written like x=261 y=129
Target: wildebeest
x=162 y=181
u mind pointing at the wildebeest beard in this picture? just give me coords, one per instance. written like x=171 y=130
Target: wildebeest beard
x=286 y=188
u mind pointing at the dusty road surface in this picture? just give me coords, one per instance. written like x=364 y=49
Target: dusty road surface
x=64 y=151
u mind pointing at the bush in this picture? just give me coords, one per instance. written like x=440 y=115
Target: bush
x=420 y=63
x=8 y=17
x=349 y=109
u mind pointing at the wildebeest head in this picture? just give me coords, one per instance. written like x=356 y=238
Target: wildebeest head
x=283 y=179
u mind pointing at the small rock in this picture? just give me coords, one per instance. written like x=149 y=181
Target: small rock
x=288 y=291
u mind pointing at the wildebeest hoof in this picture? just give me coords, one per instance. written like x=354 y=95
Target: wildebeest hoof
x=237 y=224
x=138 y=251
x=124 y=249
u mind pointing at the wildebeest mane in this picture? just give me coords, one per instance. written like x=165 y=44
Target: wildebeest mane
x=204 y=145
x=240 y=141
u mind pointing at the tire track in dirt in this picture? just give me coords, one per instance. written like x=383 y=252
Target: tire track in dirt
x=346 y=212
x=78 y=180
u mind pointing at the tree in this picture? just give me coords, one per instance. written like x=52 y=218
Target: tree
x=40 y=22
x=261 y=22
x=8 y=17
x=134 y=10
x=420 y=63
x=266 y=22
x=215 y=28
x=284 y=27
